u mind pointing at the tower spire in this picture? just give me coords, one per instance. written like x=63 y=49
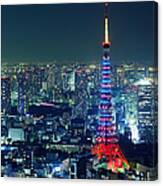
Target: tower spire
x=106 y=42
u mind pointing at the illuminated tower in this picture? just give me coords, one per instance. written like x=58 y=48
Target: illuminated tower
x=106 y=146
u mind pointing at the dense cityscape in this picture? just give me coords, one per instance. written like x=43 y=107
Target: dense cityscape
x=79 y=119
x=50 y=113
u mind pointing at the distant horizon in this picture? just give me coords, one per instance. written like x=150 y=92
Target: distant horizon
x=129 y=62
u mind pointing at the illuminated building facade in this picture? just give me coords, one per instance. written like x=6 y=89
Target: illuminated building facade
x=5 y=94
x=22 y=92
x=69 y=80
x=147 y=117
x=106 y=140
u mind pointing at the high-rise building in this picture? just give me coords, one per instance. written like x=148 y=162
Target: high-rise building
x=131 y=114
x=5 y=94
x=69 y=80
x=107 y=148
x=147 y=119
x=23 y=95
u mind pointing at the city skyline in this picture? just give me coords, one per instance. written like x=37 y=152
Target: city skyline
x=44 y=33
x=76 y=120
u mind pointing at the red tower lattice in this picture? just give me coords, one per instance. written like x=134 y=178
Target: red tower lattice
x=106 y=140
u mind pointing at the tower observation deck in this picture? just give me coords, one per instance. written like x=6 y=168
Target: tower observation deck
x=107 y=146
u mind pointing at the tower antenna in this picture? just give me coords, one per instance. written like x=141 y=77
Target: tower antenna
x=106 y=42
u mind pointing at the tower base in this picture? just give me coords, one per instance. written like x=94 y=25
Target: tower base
x=112 y=155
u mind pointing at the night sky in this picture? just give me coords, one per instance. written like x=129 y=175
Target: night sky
x=74 y=32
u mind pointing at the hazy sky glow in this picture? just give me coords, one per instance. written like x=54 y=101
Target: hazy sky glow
x=75 y=32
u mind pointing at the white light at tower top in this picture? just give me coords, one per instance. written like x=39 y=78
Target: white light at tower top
x=106 y=30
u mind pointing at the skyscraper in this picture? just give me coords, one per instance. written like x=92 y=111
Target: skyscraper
x=5 y=94
x=23 y=92
x=107 y=147
x=147 y=121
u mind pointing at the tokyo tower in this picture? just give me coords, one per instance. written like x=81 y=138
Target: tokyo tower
x=107 y=146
